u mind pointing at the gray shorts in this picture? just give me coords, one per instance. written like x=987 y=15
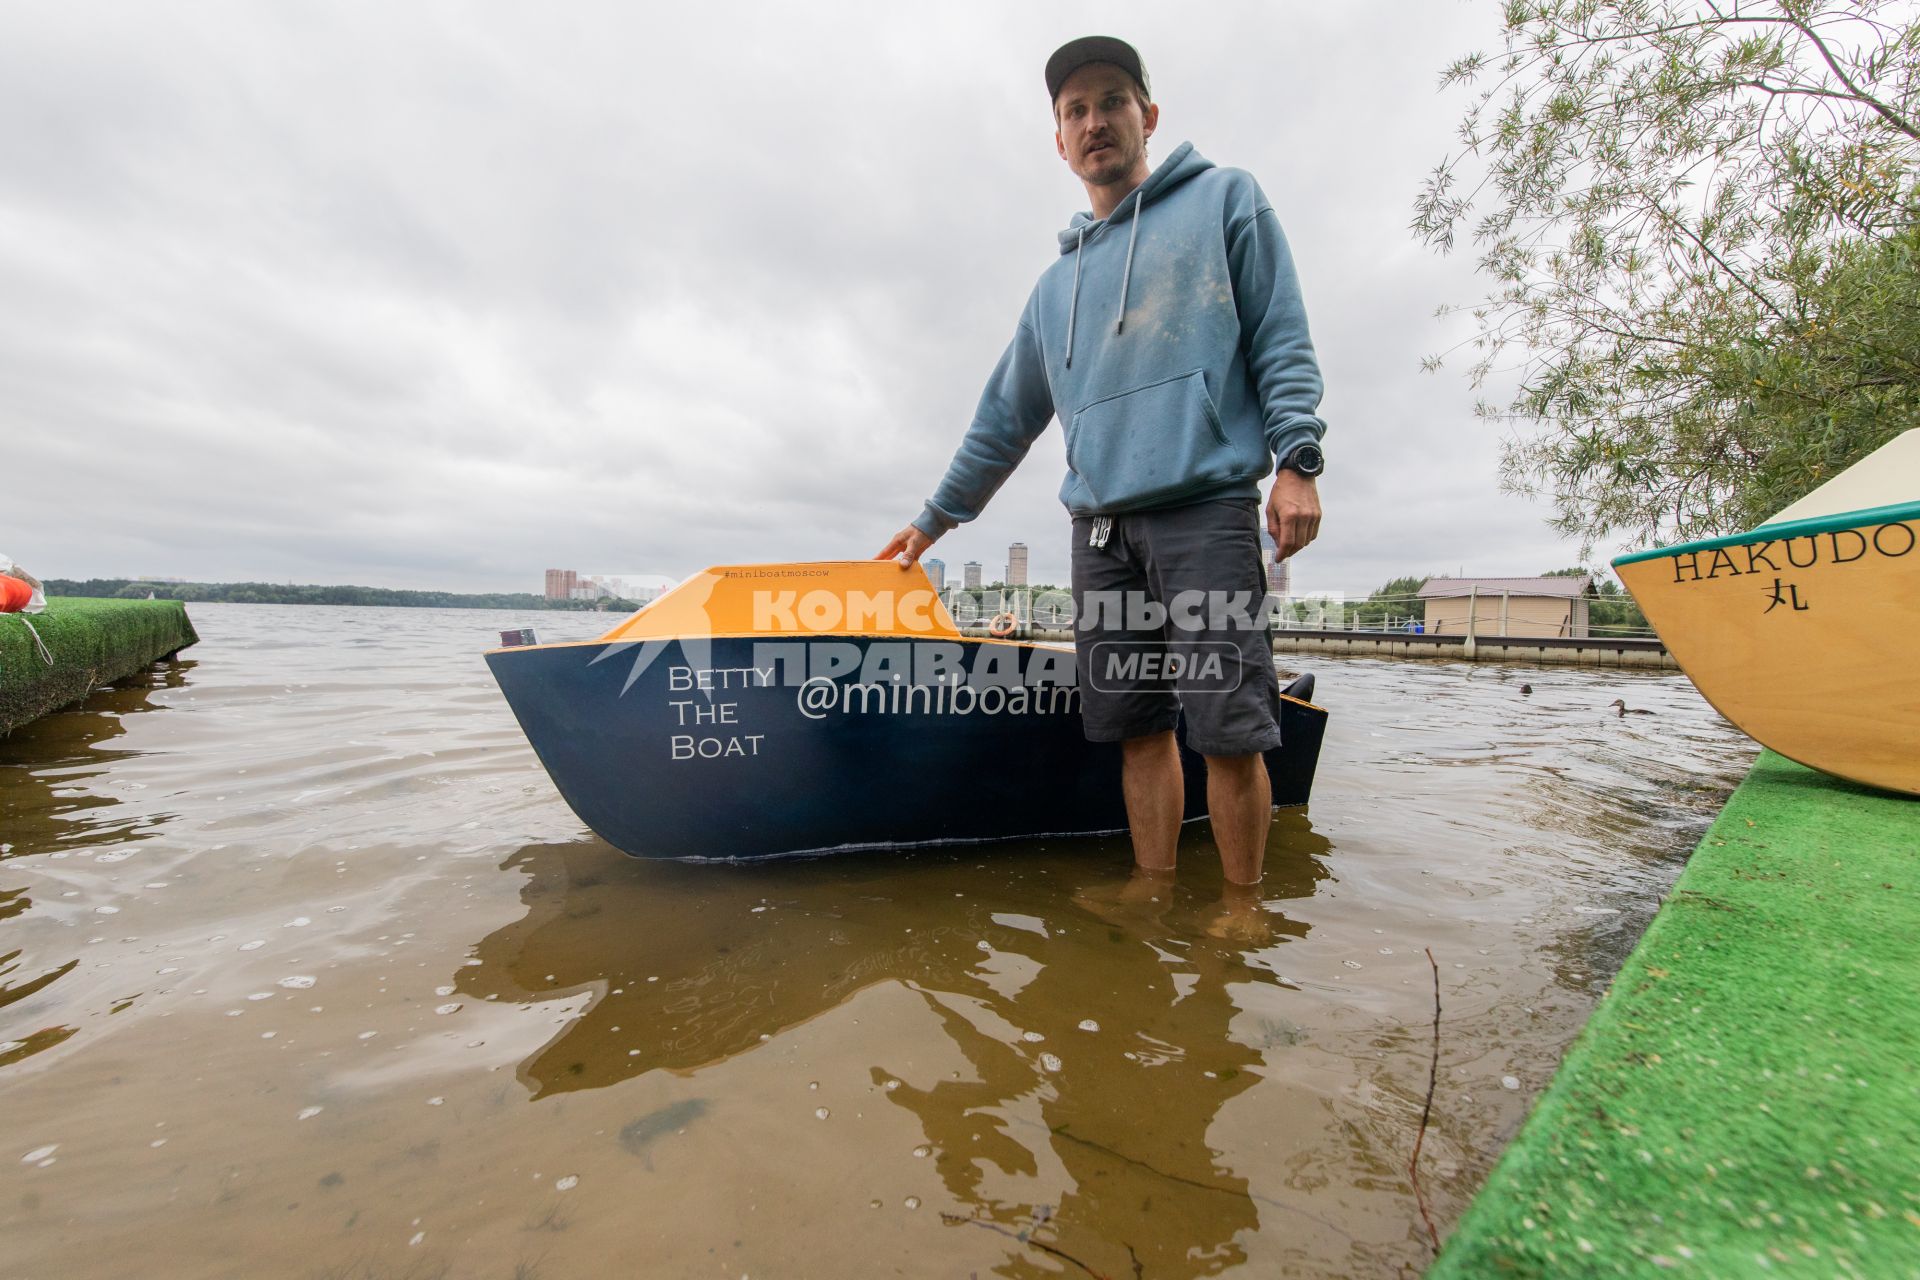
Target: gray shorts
x=1169 y=617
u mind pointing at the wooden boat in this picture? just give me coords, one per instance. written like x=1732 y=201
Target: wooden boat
x=1804 y=632
x=761 y=710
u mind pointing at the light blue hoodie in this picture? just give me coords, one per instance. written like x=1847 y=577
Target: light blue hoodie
x=1171 y=342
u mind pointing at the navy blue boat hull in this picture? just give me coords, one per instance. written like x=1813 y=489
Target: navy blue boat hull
x=863 y=749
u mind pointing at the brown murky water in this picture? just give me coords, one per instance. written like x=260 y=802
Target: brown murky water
x=306 y=970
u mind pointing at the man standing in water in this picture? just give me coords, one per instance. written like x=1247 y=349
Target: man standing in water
x=1171 y=341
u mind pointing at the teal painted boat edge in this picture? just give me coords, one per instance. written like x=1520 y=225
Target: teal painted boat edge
x=1891 y=514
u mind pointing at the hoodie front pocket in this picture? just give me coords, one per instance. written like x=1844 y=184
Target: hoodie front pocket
x=1152 y=443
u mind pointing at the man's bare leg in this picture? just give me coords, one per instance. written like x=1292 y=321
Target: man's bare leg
x=1240 y=802
x=1150 y=777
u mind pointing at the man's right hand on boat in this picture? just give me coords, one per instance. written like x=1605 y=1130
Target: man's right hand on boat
x=906 y=546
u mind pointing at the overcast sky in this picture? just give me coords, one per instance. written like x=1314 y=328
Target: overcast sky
x=441 y=295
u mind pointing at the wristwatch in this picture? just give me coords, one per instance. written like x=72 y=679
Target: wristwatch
x=1305 y=459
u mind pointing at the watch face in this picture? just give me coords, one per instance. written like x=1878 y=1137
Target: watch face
x=1307 y=460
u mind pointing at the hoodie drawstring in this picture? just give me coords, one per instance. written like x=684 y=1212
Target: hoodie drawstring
x=1126 y=273
x=1073 y=300
x=1125 y=276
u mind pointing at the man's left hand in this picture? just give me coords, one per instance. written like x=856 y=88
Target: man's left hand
x=1293 y=513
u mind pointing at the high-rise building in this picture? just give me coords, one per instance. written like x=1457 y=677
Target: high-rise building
x=1017 y=565
x=561 y=583
x=971 y=572
x=936 y=573
x=1279 y=572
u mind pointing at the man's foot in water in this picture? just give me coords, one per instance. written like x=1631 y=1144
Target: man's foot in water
x=1141 y=898
x=1239 y=917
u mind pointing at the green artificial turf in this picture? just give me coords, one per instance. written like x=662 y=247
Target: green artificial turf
x=92 y=642
x=1746 y=1101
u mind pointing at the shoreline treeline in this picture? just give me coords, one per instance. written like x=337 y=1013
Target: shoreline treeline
x=290 y=593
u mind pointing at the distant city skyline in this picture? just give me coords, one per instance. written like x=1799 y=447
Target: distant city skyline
x=571 y=584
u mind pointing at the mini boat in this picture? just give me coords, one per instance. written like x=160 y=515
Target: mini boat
x=1801 y=632
x=762 y=710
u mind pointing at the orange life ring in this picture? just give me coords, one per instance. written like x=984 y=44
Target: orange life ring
x=1003 y=625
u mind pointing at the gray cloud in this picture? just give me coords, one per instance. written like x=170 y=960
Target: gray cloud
x=443 y=296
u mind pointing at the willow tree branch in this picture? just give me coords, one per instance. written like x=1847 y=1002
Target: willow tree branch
x=1860 y=95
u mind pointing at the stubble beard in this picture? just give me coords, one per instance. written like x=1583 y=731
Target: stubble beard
x=1106 y=172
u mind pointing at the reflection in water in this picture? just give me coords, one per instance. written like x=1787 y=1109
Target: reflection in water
x=1102 y=1047
x=52 y=791
x=55 y=774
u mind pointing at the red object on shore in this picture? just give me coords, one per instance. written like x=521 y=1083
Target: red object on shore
x=15 y=595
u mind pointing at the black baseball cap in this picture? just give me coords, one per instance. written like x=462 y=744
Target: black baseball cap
x=1075 y=54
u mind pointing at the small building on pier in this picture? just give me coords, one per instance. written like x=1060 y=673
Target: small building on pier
x=1554 y=606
